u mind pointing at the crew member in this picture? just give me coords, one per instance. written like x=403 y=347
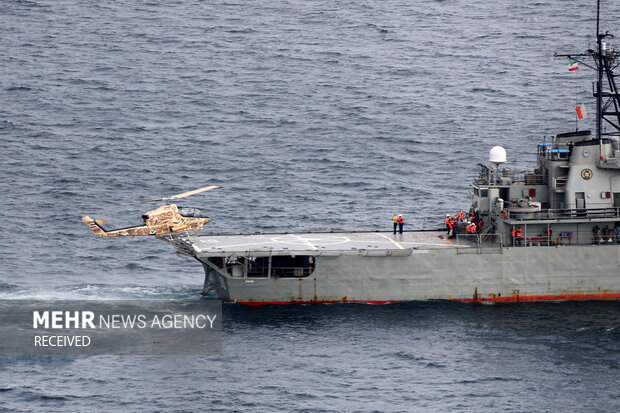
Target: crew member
x=401 y=222
x=606 y=234
x=597 y=234
x=448 y=222
x=395 y=220
x=452 y=228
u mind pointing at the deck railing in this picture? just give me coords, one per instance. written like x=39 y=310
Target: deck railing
x=478 y=244
x=566 y=214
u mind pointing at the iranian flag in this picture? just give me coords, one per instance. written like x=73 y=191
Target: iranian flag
x=581 y=111
x=573 y=65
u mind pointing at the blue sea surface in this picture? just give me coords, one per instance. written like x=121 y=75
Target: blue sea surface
x=307 y=114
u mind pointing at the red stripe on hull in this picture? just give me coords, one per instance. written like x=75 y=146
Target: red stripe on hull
x=259 y=303
x=546 y=297
x=487 y=300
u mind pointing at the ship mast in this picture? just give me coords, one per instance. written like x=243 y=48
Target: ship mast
x=605 y=62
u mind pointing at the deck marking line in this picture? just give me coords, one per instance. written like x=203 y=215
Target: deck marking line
x=308 y=243
x=392 y=241
x=264 y=244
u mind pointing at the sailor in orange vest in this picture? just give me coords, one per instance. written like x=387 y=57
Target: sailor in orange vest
x=550 y=232
x=448 y=222
x=460 y=216
x=401 y=222
x=518 y=232
x=452 y=227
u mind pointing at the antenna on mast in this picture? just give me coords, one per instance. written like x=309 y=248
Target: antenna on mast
x=598 y=15
x=599 y=84
x=604 y=60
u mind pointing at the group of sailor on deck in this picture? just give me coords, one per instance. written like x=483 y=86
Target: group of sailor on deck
x=455 y=223
x=606 y=235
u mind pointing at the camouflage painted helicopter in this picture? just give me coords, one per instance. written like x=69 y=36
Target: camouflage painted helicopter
x=166 y=219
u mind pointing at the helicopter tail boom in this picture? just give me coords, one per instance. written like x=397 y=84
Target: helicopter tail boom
x=95 y=227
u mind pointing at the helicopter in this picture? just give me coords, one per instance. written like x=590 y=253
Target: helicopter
x=166 y=219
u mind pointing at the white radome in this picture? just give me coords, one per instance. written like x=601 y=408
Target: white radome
x=497 y=155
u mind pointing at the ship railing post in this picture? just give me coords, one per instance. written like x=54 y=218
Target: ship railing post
x=576 y=234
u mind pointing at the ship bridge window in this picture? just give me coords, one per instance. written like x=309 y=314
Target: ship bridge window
x=281 y=266
x=559 y=154
x=481 y=192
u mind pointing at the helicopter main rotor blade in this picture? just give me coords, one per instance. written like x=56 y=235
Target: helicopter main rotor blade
x=142 y=202
x=177 y=196
x=194 y=192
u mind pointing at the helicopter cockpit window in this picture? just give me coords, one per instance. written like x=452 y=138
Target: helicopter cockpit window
x=192 y=213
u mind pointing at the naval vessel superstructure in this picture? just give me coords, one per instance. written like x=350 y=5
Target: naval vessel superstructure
x=549 y=234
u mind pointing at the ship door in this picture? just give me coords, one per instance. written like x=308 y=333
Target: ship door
x=580 y=200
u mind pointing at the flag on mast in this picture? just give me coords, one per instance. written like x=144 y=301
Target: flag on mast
x=573 y=65
x=581 y=111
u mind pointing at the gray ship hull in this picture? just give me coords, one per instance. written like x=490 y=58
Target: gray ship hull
x=418 y=266
x=517 y=274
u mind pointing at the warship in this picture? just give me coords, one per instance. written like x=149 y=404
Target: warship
x=550 y=234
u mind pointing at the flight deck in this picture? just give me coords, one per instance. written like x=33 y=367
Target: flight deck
x=340 y=243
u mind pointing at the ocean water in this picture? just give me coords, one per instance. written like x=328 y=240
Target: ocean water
x=307 y=114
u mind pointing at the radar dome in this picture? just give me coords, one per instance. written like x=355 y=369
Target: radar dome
x=497 y=155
